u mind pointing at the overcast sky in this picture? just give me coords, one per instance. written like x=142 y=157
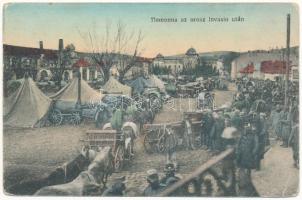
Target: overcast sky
x=264 y=25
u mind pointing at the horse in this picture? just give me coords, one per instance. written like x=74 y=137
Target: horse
x=63 y=174
x=88 y=181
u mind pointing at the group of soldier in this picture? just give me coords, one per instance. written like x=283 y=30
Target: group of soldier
x=256 y=115
x=265 y=101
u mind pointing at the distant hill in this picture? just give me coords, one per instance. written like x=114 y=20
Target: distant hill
x=216 y=53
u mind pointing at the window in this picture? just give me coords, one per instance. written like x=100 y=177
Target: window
x=84 y=74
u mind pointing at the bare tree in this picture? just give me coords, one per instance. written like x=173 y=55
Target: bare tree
x=115 y=49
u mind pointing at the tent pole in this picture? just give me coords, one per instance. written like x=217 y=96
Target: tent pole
x=79 y=88
x=287 y=60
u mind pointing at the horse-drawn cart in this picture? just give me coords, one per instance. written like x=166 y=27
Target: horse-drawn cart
x=65 y=111
x=158 y=136
x=119 y=141
x=72 y=112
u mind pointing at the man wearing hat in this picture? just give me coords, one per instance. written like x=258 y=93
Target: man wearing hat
x=170 y=177
x=248 y=148
x=154 y=187
x=275 y=121
x=263 y=137
x=189 y=133
x=216 y=131
x=117 y=189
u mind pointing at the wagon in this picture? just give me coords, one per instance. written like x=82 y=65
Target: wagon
x=72 y=112
x=65 y=111
x=117 y=140
x=156 y=136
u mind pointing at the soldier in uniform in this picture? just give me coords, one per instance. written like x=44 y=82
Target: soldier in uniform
x=117 y=119
x=154 y=187
x=275 y=121
x=216 y=131
x=293 y=140
x=102 y=115
x=286 y=120
x=248 y=147
x=236 y=120
x=206 y=126
x=189 y=133
x=117 y=189
x=263 y=137
x=170 y=177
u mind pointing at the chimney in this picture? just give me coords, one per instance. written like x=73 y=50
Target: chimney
x=41 y=45
x=61 y=44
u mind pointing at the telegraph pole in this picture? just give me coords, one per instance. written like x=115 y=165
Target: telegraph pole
x=287 y=59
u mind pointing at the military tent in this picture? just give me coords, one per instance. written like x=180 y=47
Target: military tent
x=139 y=84
x=158 y=83
x=70 y=93
x=27 y=106
x=113 y=86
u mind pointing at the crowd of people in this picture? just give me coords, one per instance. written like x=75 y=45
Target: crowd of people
x=258 y=114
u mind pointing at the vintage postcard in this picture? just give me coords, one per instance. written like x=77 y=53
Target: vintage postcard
x=151 y=99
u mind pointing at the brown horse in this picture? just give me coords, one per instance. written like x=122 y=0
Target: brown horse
x=88 y=181
x=63 y=174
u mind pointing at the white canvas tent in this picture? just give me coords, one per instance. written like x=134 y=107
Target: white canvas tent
x=27 y=106
x=113 y=86
x=70 y=93
x=158 y=83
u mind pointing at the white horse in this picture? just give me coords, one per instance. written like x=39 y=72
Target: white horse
x=88 y=181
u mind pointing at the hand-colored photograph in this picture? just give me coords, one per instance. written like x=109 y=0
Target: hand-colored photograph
x=150 y=99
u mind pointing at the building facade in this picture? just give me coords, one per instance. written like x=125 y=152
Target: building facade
x=176 y=64
x=257 y=58
x=43 y=63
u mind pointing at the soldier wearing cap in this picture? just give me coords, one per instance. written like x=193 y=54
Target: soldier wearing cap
x=206 y=126
x=236 y=120
x=117 y=189
x=263 y=137
x=286 y=124
x=154 y=187
x=248 y=148
x=170 y=177
x=293 y=140
x=275 y=121
x=216 y=131
x=189 y=133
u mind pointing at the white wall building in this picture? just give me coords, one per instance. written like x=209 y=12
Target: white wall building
x=256 y=57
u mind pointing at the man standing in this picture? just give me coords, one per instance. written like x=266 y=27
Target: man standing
x=216 y=131
x=286 y=124
x=263 y=138
x=117 y=119
x=293 y=140
x=275 y=120
x=206 y=126
x=247 y=149
x=246 y=158
x=189 y=140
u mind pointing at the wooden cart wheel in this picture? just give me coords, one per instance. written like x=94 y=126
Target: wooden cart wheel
x=56 y=117
x=161 y=144
x=75 y=118
x=119 y=158
x=149 y=143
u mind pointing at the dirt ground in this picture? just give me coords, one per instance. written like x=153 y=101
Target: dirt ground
x=283 y=184
x=33 y=153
